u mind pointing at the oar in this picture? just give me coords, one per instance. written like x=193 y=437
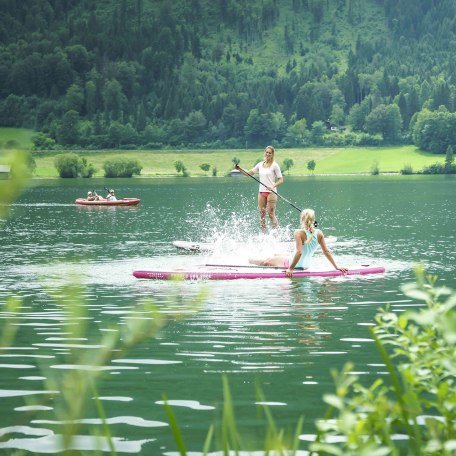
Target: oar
x=243 y=171
x=282 y=268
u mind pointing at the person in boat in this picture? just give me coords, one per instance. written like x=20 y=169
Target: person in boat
x=307 y=239
x=270 y=177
x=93 y=196
x=111 y=196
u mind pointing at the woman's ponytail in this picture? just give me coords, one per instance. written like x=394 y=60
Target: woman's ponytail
x=308 y=222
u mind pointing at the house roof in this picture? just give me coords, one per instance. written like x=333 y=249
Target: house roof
x=5 y=168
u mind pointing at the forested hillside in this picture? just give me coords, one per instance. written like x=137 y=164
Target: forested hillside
x=213 y=73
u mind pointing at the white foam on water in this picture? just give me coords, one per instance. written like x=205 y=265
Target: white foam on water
x=53 y=443
x=194 y=405
x=130 y=420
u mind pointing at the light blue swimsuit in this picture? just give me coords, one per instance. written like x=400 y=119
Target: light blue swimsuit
x=308 y=250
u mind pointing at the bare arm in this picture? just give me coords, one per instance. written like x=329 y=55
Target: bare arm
x=298 y=253
x=328 y=254
x=244 y=171
x=279 y=182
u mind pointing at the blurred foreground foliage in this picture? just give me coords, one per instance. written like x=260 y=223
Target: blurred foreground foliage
x=412 y=410
x=22 y=165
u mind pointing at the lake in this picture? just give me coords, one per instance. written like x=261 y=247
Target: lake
x=285 y=335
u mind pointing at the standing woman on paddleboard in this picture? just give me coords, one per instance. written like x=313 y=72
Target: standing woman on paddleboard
x=270 y=178
x=307 y=239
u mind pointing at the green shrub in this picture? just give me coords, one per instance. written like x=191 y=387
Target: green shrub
x=311 y=164
x=89 y=170
x=205 y=167
x=43 y=142
x=375 y=169
x=436 y=168
x=407 y=169
x=287 y=164
x=180 y=168
x=121 y=167
x=70 y=165
x=365 y=139
x=235 y=161
x=439 y=168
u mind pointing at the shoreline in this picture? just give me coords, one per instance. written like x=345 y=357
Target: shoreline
x=330 y=162
x=170 y=176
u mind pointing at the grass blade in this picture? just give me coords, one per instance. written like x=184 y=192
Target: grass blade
x=174 y=428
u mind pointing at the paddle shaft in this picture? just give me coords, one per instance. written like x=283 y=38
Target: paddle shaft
x=243 y=171
x=255 y=266
x=244 y=266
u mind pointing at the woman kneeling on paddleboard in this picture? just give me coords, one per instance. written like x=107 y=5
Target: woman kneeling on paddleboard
x=307 y=239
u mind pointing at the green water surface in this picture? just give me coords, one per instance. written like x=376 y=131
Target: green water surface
x=283 y=334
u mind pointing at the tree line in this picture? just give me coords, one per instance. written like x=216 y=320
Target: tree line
x=144 y=73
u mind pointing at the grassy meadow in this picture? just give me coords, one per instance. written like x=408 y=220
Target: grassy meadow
x=16 y=138
x=160 y=163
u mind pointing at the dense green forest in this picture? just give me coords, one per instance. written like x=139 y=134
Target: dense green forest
x=227 y=73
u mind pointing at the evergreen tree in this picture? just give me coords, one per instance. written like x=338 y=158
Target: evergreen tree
x=90 y=98
x=141 y=120
x=68 y=131
x=74 y=99
x=131 y=61
x=113 y=99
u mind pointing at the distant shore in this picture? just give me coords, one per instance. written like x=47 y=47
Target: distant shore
x=329 y=161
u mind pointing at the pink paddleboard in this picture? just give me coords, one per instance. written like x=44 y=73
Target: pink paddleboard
x=231 y=273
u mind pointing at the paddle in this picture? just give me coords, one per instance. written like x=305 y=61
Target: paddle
x=243 y=171
x=282 y=268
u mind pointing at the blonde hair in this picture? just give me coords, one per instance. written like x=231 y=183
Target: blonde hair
x=308 y=222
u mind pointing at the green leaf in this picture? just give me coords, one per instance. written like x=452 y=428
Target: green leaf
x=175 y=428
x=402 y=321
x=327 y=448
x=450 y=446
x=417 y=294
x=207 y=442
x=335 y=401
x=382 y=451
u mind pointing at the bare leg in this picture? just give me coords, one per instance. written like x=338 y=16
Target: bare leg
x=262 y=210
x=277 y=260
x=271 y=209
x=273 y=218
